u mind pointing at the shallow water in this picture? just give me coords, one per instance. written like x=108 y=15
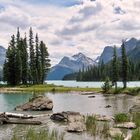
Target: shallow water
x=64 y=102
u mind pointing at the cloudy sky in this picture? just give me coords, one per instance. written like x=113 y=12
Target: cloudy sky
x=72 y=26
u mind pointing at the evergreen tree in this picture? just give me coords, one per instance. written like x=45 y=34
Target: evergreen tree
x=9 y=66
x=115 y=72
x=45 y=61
x=124 y=66
x=32 y=58
x=38 y=64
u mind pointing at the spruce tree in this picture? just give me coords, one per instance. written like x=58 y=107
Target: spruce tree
x=9 y=66
x=38 y=64
x=45 y=61
x=115 y=72
x=32 y=58
x=124 y=66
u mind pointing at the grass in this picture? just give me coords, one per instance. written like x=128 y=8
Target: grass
x=121 y=117
x=117 y=137
x=91 y=124
x=47 y=88
x=136 y=134
x=41 y=135
x=136 y=119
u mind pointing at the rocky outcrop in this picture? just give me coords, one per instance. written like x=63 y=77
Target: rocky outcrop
x=103 y=118
x=39 y=103
x=127 y=125
x=75 y=120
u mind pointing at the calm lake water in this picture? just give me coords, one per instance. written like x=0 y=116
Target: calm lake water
x=89 y=84
x=64 y=102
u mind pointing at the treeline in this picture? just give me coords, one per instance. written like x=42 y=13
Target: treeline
x=27 y=60
x=119 y=69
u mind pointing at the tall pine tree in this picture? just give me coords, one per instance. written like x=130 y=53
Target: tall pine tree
x=124 y=66
x=115 y=72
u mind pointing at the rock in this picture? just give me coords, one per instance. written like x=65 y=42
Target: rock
x=103 y=118
x=59 y=117
x=39 y=103
x=108 y=106
x=115 y=132
x=75 y=120
x=91 y=96
x=135 y=109
x=127 y=125
x=76 y=127
x=87 y=93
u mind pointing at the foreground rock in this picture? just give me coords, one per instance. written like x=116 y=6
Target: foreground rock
x=127 y=125
x=75 y=120
x=135 y=109
x=103 y=118
x=39 y=103
x=115 y=132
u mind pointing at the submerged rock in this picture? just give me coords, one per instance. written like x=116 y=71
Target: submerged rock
x=39 y=103
x=103 y=118
x=127 y=125
x=76 y=127
x=115 y=132
x=75 y=120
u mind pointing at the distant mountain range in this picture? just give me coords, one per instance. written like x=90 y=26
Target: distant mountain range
x=2 y=58
x=70 y=65
x=132 y=46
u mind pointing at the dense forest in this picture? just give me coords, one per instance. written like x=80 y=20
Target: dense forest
x=27 y=60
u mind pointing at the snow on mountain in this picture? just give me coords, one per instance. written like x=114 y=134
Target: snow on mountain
x=69 y=65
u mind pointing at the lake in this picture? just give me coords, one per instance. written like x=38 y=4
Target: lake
x=89 y=84
x=64 y=102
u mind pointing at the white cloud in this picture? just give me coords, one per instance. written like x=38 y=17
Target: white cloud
x=86 y=27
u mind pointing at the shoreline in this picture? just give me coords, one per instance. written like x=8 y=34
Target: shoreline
x=45 y=88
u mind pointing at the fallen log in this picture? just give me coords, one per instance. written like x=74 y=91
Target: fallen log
x=22 y=122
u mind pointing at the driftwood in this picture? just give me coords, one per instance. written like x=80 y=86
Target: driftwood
x=5 y=118
x=18 y=115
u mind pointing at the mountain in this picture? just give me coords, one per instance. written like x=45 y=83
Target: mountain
x=130 y=46
x=2 y=58
x=69 y=65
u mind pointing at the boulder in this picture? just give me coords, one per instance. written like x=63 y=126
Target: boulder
x=113 y=132
x=127 y=125
x=103 y=118
x=39 y=103
x=75 y=120
x=135 y=109
x=76 y=127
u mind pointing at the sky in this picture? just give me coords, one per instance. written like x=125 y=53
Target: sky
x=71 y=26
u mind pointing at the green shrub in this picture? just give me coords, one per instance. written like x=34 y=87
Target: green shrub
x=117 y=137
x=106 y=86
x=121 y=117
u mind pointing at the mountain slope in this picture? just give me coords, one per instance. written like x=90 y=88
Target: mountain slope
x=2 y=59
x=130 y=46
x=69 y=65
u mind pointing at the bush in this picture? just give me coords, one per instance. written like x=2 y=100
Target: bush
x=121 y=117
x=136 y=119
x=106 y=86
